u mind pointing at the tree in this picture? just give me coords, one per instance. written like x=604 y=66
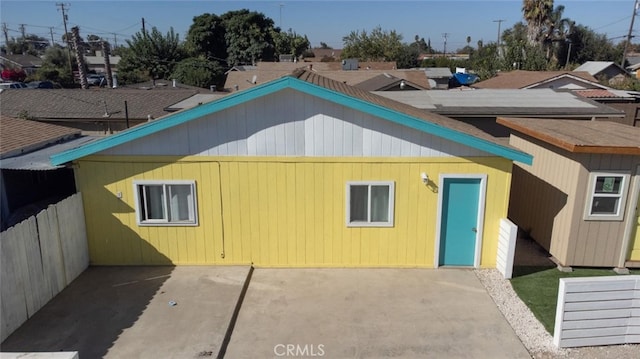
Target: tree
x=198 y=71
x=323 y=45
x=290 y=43
x=55 y=66
x=556 y=30
x=31 y=44
x=536 y=13
x=379 y=45
x=151 y=53
x=206 y=37
x=587 y=45
x=248 y=37
x=407 y=57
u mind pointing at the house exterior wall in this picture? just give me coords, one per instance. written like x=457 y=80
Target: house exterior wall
x=543 y=196
x=549 y=198
x=278 y=211
x=634 y=250
x=565 y=83
x=291 y=123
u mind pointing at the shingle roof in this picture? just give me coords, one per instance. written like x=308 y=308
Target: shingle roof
x=77 y=104
x=23 y=60
x=19 y=136
x=520 y=78
x=580 y=136
x=595 y=67
x=384 y=81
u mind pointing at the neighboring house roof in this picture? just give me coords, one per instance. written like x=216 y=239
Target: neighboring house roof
x=501 y=102
x=23 y=61
x=596 y=67
x=322 y=53
x=580 y=136
x=77 y=104
x=384 y=82
x=195 y=100
x=38 y=160
x=602 y=94
x=99 y=60
x=18 y=136
x=438 y=72
x=244 y=79
x=321 y=87
x=520 y=79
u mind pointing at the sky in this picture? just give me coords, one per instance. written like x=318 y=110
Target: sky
x=321 y=21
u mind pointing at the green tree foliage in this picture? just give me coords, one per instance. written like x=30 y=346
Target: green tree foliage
x=407 y=57
x=536 y=13
x=248 y=37
x=486 y=61
x=151 y=53
x=31 y=44
x=378 y=45
x=518 y=53
x=323 y=45
x=290 y=43
x=55 y=66
x=198 y=71
x=587 y=45
x=206 y=37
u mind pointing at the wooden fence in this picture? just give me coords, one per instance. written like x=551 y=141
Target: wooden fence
x=39 y=257
x=506 y=247
x=598 y=311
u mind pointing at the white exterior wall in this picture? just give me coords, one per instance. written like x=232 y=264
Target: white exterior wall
x=290 y=123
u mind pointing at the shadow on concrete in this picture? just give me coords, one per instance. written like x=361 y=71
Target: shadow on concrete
x=91 y=313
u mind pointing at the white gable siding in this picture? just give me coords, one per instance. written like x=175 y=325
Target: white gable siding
x=566 y=83
x=290 y=123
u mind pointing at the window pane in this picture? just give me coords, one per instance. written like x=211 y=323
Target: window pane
x=380 y=203
x=180 y=203
x=608 y=184
x=359 y=203
x=605 y=205
x=154 y=203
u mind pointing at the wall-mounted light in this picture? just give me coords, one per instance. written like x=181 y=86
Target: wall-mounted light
x=425 y=178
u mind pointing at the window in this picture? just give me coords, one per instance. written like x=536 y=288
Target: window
x=166 y=203
x=606 y=196
x=370 y=204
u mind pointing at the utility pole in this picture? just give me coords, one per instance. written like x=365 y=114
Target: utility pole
x=6 y=34
x=499 y=23
x=23 y=31
x=66 y=34
x=281 y=6
x=144 y=31
x=51 y=32
x=115 y=40
x=445 y=35
x=629 y=36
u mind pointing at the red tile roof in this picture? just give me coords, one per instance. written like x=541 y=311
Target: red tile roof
x=596 y=93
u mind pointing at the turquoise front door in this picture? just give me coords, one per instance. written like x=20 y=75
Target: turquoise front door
x=459 y=222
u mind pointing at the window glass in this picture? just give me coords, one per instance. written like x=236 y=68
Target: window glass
x=606 y=184
x=154 y=202
x=359 y=203
x=379 y=203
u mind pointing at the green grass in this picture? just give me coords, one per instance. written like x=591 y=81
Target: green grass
x=537 y=287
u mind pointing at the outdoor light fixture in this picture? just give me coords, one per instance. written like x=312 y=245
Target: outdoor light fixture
x=425 y=178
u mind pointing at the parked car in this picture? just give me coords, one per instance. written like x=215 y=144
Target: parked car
x=13 y=85
x=96 y=80
x=40 y=85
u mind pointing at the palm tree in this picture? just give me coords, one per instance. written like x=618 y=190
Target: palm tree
x=556 y=30
x=536 y=13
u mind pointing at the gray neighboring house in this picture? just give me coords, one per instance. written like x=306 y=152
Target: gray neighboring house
x=481 y=107
x=608 y=71
x=438 y=77
x=28 y=63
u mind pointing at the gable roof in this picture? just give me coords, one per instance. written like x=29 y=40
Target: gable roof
x=330 y=90
x=384 y=82
x=19 y=136
x=596 y=67
x=580 y=136
x=519 y=79
x=22 y=60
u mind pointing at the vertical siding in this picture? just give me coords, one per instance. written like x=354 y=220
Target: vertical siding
x=543 y=196
x=290 y=123
x=276 y=212
x=634 y=254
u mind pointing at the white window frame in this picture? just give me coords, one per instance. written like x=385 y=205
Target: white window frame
x=368 y=223
x=165 y=221
x=593 y=179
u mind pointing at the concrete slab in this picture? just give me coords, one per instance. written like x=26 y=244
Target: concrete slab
x=370 y=313
x=125 y=312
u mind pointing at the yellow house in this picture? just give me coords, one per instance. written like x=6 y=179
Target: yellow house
x=300 y=171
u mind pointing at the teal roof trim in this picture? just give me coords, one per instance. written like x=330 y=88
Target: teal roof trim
x=299 y=85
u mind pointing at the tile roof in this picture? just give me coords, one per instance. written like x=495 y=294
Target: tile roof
x=520 y=78
x=580 y=136
x=243 y=79
x=599 y=93
x=77 y=104
x=19 y=136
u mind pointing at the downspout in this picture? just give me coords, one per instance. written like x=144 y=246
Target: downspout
x=222 y=254
x=634 y=193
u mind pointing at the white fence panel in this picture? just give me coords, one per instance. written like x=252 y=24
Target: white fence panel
x=506 y=247
x=39 y=257
x=598 y=311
